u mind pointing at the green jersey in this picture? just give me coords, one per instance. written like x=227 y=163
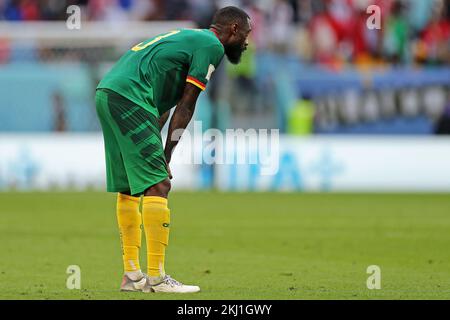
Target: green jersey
x=153 y=74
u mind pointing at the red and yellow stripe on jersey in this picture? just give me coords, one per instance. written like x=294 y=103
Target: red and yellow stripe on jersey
x=196 y=83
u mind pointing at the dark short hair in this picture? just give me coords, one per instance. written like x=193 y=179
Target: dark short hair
x=229 y=15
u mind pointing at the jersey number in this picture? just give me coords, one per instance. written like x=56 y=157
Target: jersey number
x=143 y=45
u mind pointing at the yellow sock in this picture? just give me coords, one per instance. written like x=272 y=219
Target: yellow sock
x=156 y=218
x=129 y=220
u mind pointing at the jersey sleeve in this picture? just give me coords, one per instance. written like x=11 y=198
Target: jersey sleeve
x=205 y=60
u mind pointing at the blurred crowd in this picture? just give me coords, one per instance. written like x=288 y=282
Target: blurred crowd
x=330 y=32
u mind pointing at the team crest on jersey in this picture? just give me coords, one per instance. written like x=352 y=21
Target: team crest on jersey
x=211 y=69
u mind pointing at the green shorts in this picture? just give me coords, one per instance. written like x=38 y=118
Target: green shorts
x=134 y=151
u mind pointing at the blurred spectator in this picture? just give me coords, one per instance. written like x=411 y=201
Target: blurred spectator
x=443 y=124
x=301 y=117
x=202 y=12
x=30 y=10
x=176 y=10
x=257 y=14
x=59 y=113
x=433 y=46
x=280 y=21
x=419 y=14
x=242 y=85
x=325 y=35
x=396 y=34
x=12 y=10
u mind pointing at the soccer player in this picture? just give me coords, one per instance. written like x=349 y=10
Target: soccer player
x=133 y=102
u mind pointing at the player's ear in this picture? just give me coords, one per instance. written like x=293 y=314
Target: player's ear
x=234 y=29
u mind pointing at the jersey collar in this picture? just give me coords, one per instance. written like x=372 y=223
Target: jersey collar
x=215 y=32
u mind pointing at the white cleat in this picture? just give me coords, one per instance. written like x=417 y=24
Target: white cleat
x=169 y=285
x=129 y=285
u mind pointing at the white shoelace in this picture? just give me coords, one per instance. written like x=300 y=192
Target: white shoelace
x=170 y=281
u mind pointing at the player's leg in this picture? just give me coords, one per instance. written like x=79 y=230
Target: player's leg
x=138 y=134
x=155 y=211
x=138 y=137
x=156 y=219
x=129 y=220
x=127 y=211
x=140 y=141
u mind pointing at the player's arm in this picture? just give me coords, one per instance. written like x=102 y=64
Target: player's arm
x=181 y=118
x=163 y=119
x=205 y=60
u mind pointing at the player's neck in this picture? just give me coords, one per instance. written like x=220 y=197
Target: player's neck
x=216 y=31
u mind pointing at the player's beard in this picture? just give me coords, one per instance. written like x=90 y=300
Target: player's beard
x=234 y=52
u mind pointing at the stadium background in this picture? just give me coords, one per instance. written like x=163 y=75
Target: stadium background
x=365 y=112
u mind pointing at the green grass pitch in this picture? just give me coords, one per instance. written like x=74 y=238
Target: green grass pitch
x=235 y=246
